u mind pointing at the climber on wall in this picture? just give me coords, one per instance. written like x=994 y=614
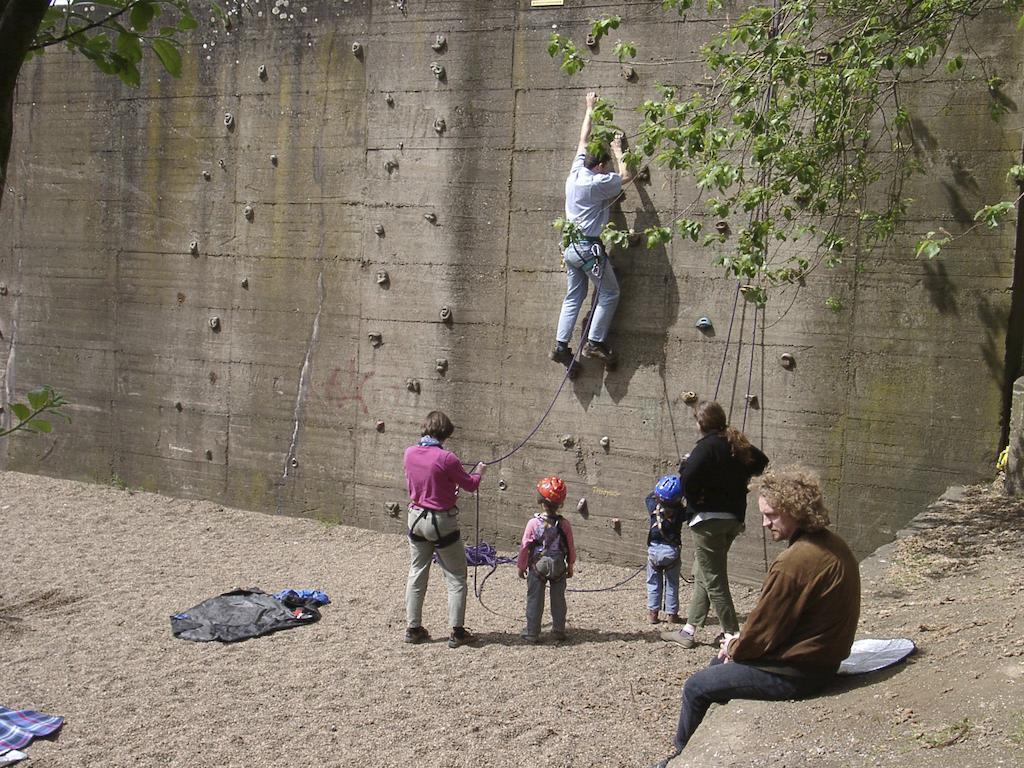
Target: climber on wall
x=594 y=181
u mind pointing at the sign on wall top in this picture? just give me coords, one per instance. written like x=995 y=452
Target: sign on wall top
x=542 y=3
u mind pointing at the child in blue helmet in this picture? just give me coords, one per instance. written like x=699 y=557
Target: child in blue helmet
x=665 y=506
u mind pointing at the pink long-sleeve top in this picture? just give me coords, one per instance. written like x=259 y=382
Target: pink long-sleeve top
x=434 y=475
x=535 y=530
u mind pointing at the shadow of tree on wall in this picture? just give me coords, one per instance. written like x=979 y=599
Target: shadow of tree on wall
x=649 y=293
x=941 y=289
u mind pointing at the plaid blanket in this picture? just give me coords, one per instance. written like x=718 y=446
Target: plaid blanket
x=19 y=726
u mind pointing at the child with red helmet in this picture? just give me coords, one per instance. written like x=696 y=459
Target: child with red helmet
x=547 y=557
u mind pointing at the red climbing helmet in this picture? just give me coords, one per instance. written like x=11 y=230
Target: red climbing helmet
x=553 y=489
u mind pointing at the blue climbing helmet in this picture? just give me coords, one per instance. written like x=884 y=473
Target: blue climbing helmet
x=669 y=489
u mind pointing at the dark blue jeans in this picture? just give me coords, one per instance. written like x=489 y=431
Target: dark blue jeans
x=719 y=683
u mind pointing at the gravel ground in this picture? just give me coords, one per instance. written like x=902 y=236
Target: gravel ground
x=91 y=574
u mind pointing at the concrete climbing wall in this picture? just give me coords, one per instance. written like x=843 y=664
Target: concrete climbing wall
x=239 y=278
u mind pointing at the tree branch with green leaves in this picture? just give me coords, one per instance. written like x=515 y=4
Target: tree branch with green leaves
x=798 y=139
x=39 y=402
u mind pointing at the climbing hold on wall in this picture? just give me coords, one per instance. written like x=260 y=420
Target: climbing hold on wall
x=788 y=361
x=753 y=402
x=248 y=212
x=591 y=41
x=445 y=314
x=209 y=455
x=567 y=441
x=690 y=398
x=440 y=126
x=178 y=407
x=605 y=442
x=413 y=385
x=3 y=289
x=392 y=508
x=616 y=524
x=722 y=227
x=245 y=283
x=644 y=175
x=379 y=230
x=181 y=298
x=213 y=377
x=273 y=159
x=582 y=508
x=261 y=71
x=628 y=73
x=206 y=175
x=294 y=462
x=430 y=217
x=439 y=43
x=441 y=365
x=390 y=166
x=193 y=248
x=383 y=278
x=502 y=485
x=229 y=120
x=215 y=323
x=357 y=49
x=704 y=323
x=221 y=163
x=379 y=426
x=376 y=339
x=437 y=69
x=389 y=99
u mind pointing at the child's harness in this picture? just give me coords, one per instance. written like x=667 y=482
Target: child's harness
x=549 y=551
x=662 y=555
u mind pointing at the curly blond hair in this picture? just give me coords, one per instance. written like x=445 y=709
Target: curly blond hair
x=796 y=491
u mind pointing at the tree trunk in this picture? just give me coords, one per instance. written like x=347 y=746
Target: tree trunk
x=19 y=20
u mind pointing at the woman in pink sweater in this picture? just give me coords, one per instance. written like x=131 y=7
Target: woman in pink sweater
x=434 y=476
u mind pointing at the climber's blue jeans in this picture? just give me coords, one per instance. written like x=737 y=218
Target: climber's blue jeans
x=576 y=292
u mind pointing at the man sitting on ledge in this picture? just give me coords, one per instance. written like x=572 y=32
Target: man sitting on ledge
x=803 y=624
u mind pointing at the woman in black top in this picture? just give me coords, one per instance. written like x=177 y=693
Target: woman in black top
x=715 y=479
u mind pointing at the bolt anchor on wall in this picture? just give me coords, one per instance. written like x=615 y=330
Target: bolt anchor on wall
x=446 y=314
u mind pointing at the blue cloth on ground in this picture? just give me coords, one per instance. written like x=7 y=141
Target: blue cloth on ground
x=303 y=595
x=19 y=726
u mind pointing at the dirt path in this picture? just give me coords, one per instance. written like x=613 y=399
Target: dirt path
x=90 y=575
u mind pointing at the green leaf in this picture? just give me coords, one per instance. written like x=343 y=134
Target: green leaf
x=141 y=14
x=128 y=72
x=41 y=424
x=129 y=47
x=187 y=22
x=169 y=56
x=37 y=398
x=20 y=410
x=834 y=304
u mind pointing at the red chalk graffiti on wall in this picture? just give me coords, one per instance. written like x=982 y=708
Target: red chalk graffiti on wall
x=347 y=384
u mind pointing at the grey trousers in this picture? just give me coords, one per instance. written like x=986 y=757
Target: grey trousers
x=535 y=603
x=452 y=560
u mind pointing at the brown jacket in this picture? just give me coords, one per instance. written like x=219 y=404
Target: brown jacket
x=806 y=616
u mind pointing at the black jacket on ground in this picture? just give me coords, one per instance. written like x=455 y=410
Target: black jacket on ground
x=714 y=480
